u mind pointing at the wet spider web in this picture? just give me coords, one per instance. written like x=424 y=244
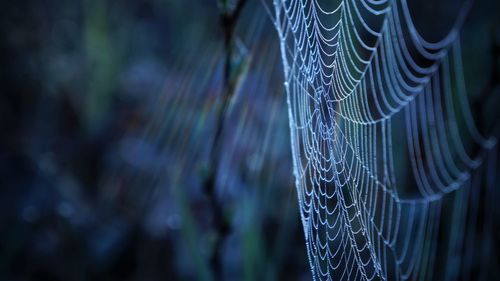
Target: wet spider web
x=368 y=94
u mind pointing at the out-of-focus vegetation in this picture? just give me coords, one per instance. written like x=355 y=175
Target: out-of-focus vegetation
x=108 y=117
x=108 y=113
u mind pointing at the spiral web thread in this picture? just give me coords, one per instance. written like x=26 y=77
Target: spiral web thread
x=361 y=83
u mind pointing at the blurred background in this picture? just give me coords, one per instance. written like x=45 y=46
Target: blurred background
x=149 y=139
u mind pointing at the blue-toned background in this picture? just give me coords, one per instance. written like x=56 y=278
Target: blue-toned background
x=111 y=164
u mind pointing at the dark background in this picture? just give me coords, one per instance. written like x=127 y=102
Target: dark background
x=109 y=112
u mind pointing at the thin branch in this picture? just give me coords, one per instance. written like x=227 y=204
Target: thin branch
x=222 y=225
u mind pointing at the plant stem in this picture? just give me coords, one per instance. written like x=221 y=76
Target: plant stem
x=222 y=224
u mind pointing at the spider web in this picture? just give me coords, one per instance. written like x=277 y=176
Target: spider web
x=367 y=93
